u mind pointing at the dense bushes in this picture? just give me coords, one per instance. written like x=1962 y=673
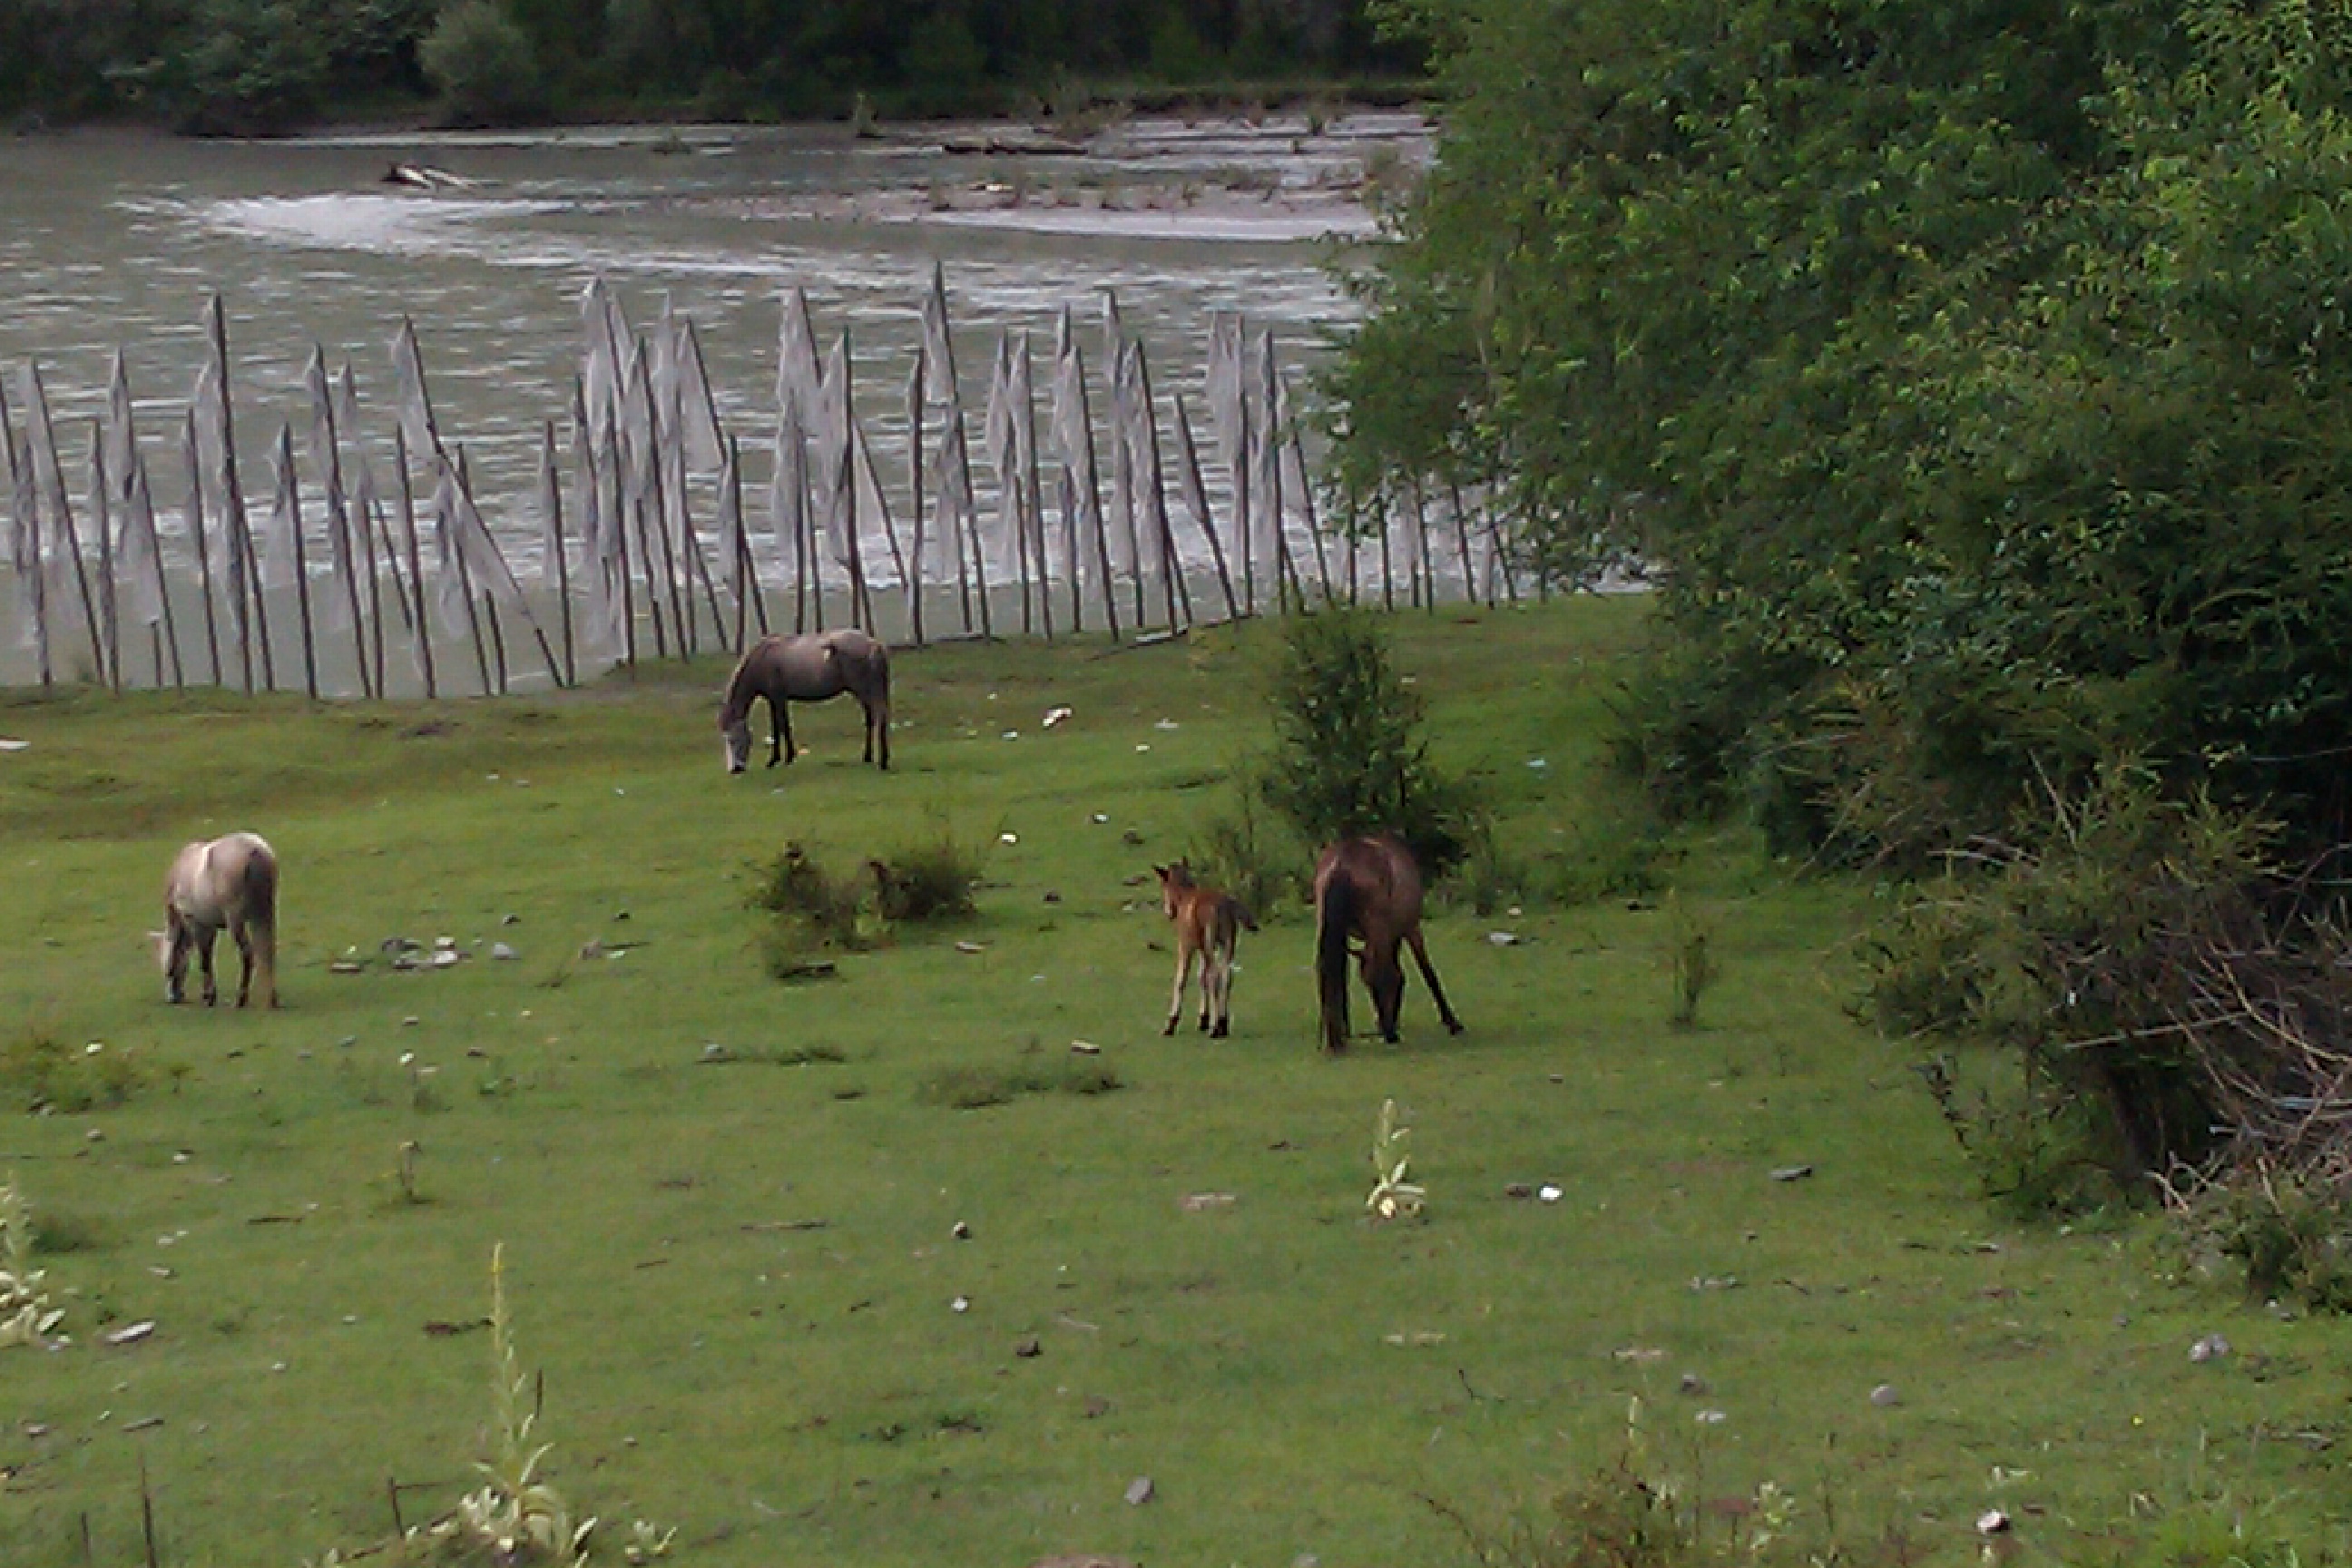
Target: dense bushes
x=1971 y=379
x=1969 y=376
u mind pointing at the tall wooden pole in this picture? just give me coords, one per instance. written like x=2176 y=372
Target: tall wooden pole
x=555 y=532
x=197 y=537
x=290 y=491
x=102 y=517
x=423 y=623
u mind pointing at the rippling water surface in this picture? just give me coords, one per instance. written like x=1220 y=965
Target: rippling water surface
x=111 y=242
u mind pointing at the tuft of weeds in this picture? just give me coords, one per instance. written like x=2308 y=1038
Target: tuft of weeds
x=403 y=1175
x=2037 y=1154
x=25 y=1316
x=928 y=881
x=1690 y=956
x=977 y=1088
x=813 y=908
x=56 y=1233
x=51 y=1075
x=2287 y=1232
x=1394 y=1197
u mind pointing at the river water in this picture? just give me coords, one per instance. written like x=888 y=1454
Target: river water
x=114 y=242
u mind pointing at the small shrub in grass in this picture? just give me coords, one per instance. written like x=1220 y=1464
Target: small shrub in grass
x=46 y=1074
x=1690 y=954
x=977 y=1088
x=1349 y=755
x=2037 y=1154
x=928 y=881
x=57 y=1232
x=813 y=908
x=25 y=1316
x=2287 y=1232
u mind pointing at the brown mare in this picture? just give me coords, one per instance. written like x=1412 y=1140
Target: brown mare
x=230 y=882
x=1369 y=890
x=1208 y=925
x=808 y=668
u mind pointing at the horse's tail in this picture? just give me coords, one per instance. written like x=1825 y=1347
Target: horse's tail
x=260 y=891
x=1335 y=912
x=1242 y=913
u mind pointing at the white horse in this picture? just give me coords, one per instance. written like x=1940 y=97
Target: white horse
x=231 y=882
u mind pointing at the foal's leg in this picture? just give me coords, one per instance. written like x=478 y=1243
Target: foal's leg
x=1421 y=957
x=1217 y=983
x=1183 y=973
x=866 y=706
x=778 y=731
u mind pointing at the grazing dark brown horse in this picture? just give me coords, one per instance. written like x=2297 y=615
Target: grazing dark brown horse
x=1369 y=890
x=808 y=668
x=1207 y=926
x=230 y=882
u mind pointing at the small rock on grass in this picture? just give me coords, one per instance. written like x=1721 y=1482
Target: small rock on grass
x=2210 y=1347
x=1885 y=1396
x=1140 y=1491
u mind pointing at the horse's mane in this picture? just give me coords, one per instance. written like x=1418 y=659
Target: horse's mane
x=737 y=706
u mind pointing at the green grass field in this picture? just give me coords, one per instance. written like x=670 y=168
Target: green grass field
x=736 y=1268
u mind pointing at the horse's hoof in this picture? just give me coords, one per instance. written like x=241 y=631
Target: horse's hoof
x=1453 y=1026
x=1170 y=1028
x=1218 y=1033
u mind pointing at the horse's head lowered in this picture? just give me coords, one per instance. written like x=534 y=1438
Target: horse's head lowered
x=735 y=733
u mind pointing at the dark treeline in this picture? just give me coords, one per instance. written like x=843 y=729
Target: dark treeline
x=246 y=66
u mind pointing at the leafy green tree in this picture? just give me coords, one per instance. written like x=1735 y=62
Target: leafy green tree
x=482 y=63
x=1349 y=756
x=257 y=68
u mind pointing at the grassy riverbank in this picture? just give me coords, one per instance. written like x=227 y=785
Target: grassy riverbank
x=728 y=1204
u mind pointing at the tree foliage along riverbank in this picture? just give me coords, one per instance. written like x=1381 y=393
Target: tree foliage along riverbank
x=242 y=66
x=1974 y=376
